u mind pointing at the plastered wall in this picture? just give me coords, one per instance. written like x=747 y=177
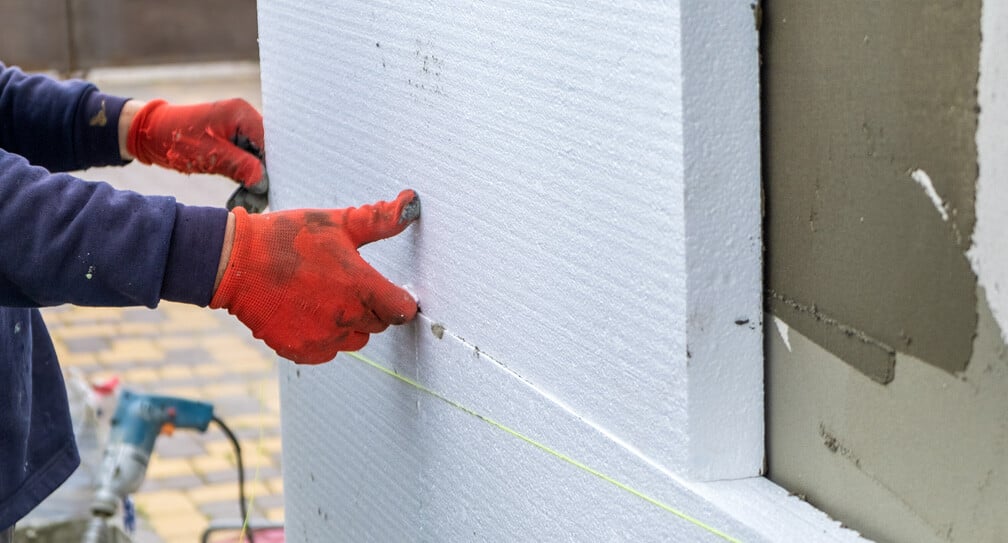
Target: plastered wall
x=587 y=265
x=885 y=146
x=871 y=164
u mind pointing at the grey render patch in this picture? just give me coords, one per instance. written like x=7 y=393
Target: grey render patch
x=856 y=95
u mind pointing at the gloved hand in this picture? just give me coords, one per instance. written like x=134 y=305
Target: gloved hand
x=296 y=280
x=224 y=137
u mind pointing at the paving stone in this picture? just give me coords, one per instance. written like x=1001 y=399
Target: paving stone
x=82 y=315
x=87 y=369
x=221 y=476
x=275 y=484
x=145 y=534
x=188 y=356
x=225 y=491
x=171 y=372
x=226 y=509
x=88 y=344
x=266 y=473
x=181 y=391
x=211 y=371
x=120 y=364
x=182 y=482
x=160 y=467
x=150 y=363
x=57 y=309
x=140 y=375
x=276 y=514
x=226 y=406
x=256 y=420
x=252 y=434
x=175 y=527
x=138 y=314
x=187 y=380
x=195 y=325
x=163 y=502
x=86 y=330
x=217 y=464
x=178 y=445
x=176 y=341
x=272 y=501
x=268 y=444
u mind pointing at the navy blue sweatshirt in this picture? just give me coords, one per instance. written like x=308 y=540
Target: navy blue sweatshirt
x=64 y=240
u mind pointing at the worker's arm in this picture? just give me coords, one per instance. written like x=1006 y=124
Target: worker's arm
x=59 y=125
x=72 y=241
x=70 y=125
x=294 y=277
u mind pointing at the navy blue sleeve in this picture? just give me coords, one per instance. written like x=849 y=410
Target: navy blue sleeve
x=59 y=125
x=65 y=240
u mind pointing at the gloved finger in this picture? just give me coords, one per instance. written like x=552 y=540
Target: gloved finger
x=390 y=303
x=322 y=350
x=244 y=123
x=382 y=220
x=354 y=341
x=309 y=354
x=261 y=186
x=370 y=323
x=245 y=143
x=243 y=167
x=357 y=317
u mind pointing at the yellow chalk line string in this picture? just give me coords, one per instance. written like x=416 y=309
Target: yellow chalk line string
x=545 y=448
x=260 y=447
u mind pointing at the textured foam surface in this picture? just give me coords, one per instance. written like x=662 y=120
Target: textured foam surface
x=547 y=143
x=544 y=145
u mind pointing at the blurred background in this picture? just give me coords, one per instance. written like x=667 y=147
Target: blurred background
x=74 y=36
x=184 y=51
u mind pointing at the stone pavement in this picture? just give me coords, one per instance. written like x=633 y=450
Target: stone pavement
x=184 y=350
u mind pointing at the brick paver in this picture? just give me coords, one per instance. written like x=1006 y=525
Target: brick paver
x=184 y=350
x=190 y=470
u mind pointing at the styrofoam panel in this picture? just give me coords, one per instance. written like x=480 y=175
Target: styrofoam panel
x=544 y=140
x=723 y=242
x=383 y=461
x=401 y=465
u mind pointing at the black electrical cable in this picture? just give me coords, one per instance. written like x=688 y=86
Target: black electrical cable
x=242 y=505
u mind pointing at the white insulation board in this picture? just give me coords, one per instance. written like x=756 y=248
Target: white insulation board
x=546 y=143
x=542 y=239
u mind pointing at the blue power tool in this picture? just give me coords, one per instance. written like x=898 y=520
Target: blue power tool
x=136 y=424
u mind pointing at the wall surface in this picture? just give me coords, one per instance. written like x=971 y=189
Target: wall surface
x=77 y=35
x=23 y=44
x=870 y=113
x=587 y=364
x=876 y=125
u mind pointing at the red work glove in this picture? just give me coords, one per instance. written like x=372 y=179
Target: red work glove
x=296 y=280
x=224 y=137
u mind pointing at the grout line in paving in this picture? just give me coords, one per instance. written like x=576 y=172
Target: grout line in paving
x=206 y=359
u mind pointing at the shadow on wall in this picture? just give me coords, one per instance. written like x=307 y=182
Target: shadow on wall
x=73 y=36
